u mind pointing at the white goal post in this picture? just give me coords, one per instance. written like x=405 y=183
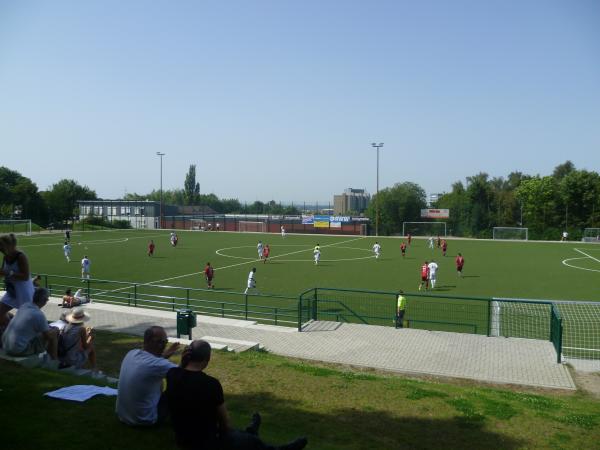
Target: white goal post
x=591 y=235
x=198 y=224
x=424 y=228
x=254 y=227
x=510 y=233
x=20 y=226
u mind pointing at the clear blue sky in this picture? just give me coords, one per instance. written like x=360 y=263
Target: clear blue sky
x=281 y=99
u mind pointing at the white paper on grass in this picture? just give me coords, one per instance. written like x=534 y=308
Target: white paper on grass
x=81 y=392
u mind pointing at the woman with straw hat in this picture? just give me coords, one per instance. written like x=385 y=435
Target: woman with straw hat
x=76 y=342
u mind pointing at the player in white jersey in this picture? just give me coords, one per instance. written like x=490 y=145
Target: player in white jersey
x=431 y=242
x=282 y=231
x=251 y=281
x=317 y=254
x=433 y=267
x=85 y=267
x=67 y=250
x=259 y=249
x=377 y=250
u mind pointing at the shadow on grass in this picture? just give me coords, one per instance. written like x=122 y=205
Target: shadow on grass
x=349 y=428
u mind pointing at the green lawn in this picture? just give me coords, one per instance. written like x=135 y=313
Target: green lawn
x=335 y=408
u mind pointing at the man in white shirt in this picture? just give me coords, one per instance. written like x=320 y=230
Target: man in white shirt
x=85 y=267
x=377 y=250
x=259 y=249
x=565 y=235
x=317 y=254
x=140 y=400
x=431 y=242
x=282 y=231
x=67 y=250
x=28 y=332
x=251 y=281
x=433 y=267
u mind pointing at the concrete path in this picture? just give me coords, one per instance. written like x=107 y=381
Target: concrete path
x=497 y=360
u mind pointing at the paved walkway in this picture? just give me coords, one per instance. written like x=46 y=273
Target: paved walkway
x=497 y=360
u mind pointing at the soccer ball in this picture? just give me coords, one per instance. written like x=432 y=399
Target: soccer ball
x=86 y=248
x=79 y=243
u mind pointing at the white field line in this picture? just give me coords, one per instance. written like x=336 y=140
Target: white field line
x=589 y=256
x=566 y=263
x=96 y=241
x=227 y=267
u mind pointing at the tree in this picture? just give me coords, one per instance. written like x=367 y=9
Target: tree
x=62 y=199
x=190 y=187
x=401 y=203
x=562 y=170
x=20 y=198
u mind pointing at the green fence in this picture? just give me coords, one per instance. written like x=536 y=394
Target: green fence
x=271 y=309
x=572 y=327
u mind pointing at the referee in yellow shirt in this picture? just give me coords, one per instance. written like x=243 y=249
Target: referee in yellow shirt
x=401 y=307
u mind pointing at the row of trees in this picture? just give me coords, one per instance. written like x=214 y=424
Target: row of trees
x=21 y=198
x=568 y=199
x=190 y=196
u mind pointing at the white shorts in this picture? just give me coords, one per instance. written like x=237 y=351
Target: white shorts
x=251 y=284
x=85 y=270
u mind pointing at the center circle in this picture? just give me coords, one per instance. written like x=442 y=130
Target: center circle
x=227 y=253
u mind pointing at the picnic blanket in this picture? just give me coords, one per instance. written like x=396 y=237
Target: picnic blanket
x=81 y=392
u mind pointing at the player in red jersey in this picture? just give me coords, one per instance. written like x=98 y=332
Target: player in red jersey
x=409 y=238
x=151 y=247
x=209 y=274
x=460 y=262
x=424 y=276
x=444 y=247
x=403 y=249
x=266 y=251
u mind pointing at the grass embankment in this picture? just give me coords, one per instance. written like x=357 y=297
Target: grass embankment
x=336 y=409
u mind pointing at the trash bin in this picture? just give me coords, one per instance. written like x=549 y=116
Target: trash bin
x=186 y=320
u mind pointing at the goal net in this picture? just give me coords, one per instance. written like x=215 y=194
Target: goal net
x=15 y=226
x=424 y=228
x=510 y=233
x=198 y=224
x=255 y=227
x=591 y=235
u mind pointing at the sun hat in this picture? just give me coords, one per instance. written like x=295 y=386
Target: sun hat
x=77 y=315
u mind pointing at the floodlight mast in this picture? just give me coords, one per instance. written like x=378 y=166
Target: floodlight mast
x=159 y=154
x=377 y=146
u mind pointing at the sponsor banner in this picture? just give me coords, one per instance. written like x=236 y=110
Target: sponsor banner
x=339 y=218
x=435 y=213
x=335 y=224
x=308 y=220
x=321 y=222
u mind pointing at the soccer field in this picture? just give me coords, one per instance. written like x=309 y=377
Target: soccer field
x=492 y=268
x=499 y=269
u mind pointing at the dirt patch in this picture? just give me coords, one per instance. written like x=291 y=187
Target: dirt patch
x=588 y=382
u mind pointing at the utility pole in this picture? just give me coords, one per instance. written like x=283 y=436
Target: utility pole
x=377 y=146
x=161 y=188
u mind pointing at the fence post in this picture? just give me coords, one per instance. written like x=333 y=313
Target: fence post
x=489 y=318
x=88 y=288
x=246 y=306
x=300 y=313
x=187 y=298
x=46 y=282
x=314 y=306
x=135 y=295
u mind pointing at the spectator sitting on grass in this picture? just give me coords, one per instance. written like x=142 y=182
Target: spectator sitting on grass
x=77 y=342
x=68 y=300
x=28 y=332
x=140 y=400
x=198 y=411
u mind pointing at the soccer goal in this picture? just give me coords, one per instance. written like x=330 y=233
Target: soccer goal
x=591 y=235
x=510 y=233
x=198 y=224
x=15 y=226
x=255 y=227
x=424 y=228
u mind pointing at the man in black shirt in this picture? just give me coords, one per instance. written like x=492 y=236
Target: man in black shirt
x=198 y=412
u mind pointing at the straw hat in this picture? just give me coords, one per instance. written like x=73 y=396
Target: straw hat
x=78 y=315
